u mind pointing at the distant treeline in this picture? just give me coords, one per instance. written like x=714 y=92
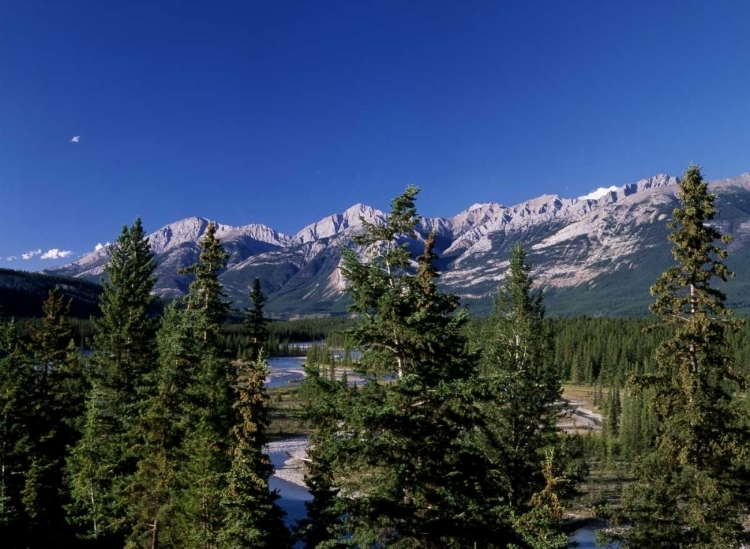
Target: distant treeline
x=586 y=350
x=22 y=294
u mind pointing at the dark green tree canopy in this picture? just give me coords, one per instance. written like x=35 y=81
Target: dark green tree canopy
x=693 y=490
x=255 y=322
x=206 y=292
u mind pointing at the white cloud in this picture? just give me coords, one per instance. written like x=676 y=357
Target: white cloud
x=598 y=193
x=100 y=246
x=54 y=253
x=30 y=254
x=76 y=139
x=11 y=258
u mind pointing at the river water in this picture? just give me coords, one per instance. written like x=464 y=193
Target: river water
x=293 y=497
x=285 y=370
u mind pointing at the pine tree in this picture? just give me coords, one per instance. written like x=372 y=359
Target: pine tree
x=165 y=419
x=208 y=444
x=517 y=362
x=57 y=391
x=124 y=353
x=543 y=526
x=407 y=474
x=206 y=293
x=16 y=413
x=693 y=490
x=252 y=519
x=90 y=466
x=326 y=400
x=255 y=323
x=612 y=413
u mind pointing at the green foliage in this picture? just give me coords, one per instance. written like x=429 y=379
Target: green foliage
x=523 y=386
x=252 y=517
x=543 y=526
x=165 y=418
x=57 y=391
x=407 y=473
x=206 y=293
x=124 y=354
x=255 y=324
x=207 y=444
x=22 y=294
x=90 y=467
x=16 y=409
x=612 y=412
x=693 y=490
x=327 y=398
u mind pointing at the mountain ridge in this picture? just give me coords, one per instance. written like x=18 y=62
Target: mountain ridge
x=572 y=242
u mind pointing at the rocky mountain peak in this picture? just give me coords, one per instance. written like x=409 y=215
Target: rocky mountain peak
x=574 y=243
x=192 y=229
x=337 y=223
x=189 y=229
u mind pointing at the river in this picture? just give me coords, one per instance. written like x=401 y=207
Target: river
x=285 y=370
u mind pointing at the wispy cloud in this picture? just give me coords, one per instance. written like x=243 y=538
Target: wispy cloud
x=30 y=254
x=76 y=139
x=11 y=258
x=54 y=253
x=100 y=246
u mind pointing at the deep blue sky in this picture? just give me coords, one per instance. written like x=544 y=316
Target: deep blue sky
x=282 y=113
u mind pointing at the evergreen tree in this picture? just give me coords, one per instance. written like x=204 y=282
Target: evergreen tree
x=165 y=419
x=407 y=473
x=612 y=413
x=326 y=400
x=206 y=293
x=57 y=391
x=207 y=445
x=255 y=323
x=252 y=517
x=124 y=353
x=693 y=490
x=543 y=526
x=90 y=466
x=517 y=365
x=16 y=412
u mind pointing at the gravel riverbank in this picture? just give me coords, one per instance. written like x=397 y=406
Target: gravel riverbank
x=294 y=451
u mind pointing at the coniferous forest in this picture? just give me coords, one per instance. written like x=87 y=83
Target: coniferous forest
x=146 y=426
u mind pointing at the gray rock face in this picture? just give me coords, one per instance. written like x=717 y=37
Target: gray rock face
x=592 y=255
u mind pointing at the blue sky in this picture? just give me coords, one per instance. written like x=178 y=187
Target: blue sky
x=282 y=113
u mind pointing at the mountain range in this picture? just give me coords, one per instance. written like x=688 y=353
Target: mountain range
x=593 y=255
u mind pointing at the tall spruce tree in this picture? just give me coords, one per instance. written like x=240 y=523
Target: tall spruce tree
x=252 y=519
x=90 y=466
x=124 y=353
x=524 y=386
x=408 y=476
x=166 y=417
x=208 y=444
x=58 y=392
x=693 y=490
x=16 y=413
x=327 y=398
x=206 y=293
x=255 y=323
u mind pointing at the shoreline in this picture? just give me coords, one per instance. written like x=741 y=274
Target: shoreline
x=294 y=451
